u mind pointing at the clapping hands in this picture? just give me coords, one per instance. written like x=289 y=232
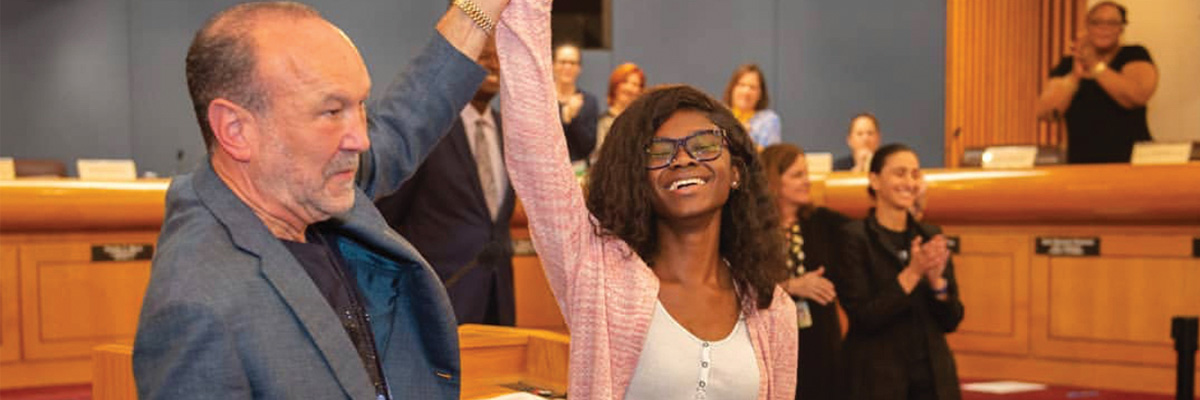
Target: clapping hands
x=571 y=106
x=1085 y=57
x=929 y=259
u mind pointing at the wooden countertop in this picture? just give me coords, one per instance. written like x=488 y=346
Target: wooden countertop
x=1069 y=194
x=58 y=205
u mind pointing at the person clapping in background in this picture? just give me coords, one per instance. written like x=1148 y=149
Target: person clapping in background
x=1102 y=89
x=896 y=283
x=579 y=110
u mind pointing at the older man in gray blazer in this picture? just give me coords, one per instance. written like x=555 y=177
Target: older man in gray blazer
x=276 y=277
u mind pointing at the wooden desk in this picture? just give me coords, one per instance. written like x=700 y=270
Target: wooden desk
x=1096 y=321
x=535 y=304
x=491 y=357
x=494 y=356
x=64 y=287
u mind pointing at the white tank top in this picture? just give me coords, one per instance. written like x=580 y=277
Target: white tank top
x=675 y=364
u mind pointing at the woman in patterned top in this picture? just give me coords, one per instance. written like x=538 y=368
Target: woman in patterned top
x=811 y=238
x=667 y=273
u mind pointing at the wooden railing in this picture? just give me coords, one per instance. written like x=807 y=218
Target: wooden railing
x=1117 y=194
x=70 y=205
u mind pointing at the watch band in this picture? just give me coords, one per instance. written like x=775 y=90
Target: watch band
x=482 y=20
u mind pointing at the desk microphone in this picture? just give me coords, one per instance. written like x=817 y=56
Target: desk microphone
x=178 y=162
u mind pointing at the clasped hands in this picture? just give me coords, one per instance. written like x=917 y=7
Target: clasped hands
x=812 y=286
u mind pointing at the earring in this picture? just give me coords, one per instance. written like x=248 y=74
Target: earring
x=734 y=185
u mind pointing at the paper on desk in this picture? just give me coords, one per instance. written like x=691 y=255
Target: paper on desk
x=518 y=396
x=1003 y=387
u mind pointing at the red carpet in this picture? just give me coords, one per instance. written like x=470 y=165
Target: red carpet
x=84 y=392
x=1060 y=393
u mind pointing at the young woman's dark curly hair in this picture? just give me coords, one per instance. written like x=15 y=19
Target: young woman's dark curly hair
x=620 y=192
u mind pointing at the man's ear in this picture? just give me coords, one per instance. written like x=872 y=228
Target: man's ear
x=234 y=128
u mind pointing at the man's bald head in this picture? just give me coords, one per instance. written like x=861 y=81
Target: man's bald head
x=221 y=61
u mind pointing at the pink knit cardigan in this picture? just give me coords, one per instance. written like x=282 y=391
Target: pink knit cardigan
x=606 y=292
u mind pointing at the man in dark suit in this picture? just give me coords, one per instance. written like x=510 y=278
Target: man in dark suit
x=275 y=275
x=457 y=207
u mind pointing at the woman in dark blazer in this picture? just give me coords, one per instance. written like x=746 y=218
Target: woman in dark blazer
x=812 y=246
x=896 y=283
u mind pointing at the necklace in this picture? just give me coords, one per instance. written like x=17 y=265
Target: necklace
x=794 y=244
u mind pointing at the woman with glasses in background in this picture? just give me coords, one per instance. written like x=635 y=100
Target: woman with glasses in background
x=1102 y=90
x=667 y=272
x=579 y=111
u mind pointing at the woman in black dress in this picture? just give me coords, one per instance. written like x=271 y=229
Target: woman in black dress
x=811 y=234
x=896 y=283
x=1101 y=89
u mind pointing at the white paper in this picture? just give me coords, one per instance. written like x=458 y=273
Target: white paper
x=819 y=163
x=1157 y=153
x=8 y=169
x=1010 y=157
x=106 y=170
x=1003 y=387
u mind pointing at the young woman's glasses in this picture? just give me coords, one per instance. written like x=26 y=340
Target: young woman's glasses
x=702 y=145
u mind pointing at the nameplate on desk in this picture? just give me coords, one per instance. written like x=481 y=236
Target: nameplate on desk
x=106 y=170
x=952 y=243
x=819 y=163
x=8 y=169
x=122 y=252
x=1068 y=246
x=1152 y=153
x=1010 y=157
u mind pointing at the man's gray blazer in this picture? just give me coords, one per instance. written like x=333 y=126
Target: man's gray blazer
x=230 y=313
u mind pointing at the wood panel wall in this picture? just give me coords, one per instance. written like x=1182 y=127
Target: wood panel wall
x=998 y=57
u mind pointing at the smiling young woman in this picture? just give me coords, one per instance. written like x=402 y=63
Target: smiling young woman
x=668 y=270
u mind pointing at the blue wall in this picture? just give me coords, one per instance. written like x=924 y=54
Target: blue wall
x=104 y=78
